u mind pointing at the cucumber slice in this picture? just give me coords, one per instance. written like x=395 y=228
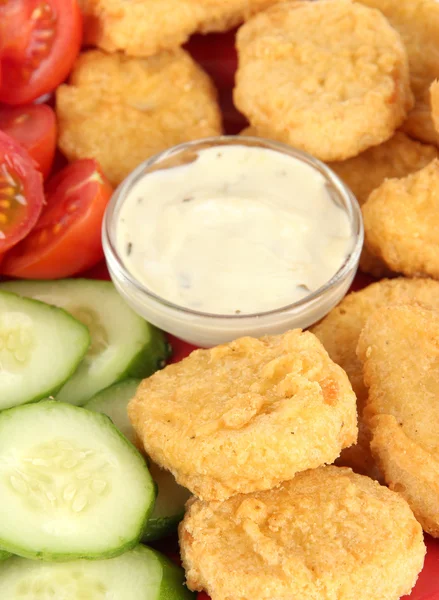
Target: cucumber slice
x=141 y=574
x=113 y=402
x=4 y=555
x=40 y=347
x=123 y=344
x=171 y=497
x=169 y=505
x=70 y=484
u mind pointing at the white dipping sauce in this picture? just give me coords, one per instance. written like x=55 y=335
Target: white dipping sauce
x=240 y=230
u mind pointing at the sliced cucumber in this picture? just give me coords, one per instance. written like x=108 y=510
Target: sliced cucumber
x=113 y=402
x=171 y=497
x=4 y=555
x=169 y=505
x=40 y=347
x=71 y=486
x=123 y=344
x=141 y=574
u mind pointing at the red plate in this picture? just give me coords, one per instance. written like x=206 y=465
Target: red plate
x=217 y=55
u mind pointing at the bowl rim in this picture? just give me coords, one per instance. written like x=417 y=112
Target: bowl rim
x=116 y=264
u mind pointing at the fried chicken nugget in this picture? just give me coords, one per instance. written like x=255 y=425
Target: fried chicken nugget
x=399 y=347
x=247 y=415
x=329 y=77
x=327 y=534
x=146 y=27
x=434 y=101
x=401 y=221
x=417 y=21
x=123 y=110
x=339 y=333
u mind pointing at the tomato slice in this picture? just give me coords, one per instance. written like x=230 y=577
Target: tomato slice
x=67 y=237
x=40 y=42
x=21 y=192
x=34 y=126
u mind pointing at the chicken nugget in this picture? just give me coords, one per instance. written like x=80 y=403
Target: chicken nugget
x=399 y=347
x=401 y=221
x=146 y=27
x=339 y=333
x=434 y=101
x=329 y=77
x=121 y=110
x=247 y=415
x=417 y=21
x=327 y=534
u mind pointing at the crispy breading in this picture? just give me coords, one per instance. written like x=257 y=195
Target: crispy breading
x=327 y=534
x=329 y=77
x=247 y=415
x=339 y=333
x=434 y=101
x=399 y=347
x=401 y=221
x=417 y=21
x=123 y=110
x=146 y=27
x=397 y=157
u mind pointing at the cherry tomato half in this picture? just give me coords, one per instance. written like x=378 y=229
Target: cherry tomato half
x=34 y=126
x=21 y=192
x=40 y=42
x=67 y=238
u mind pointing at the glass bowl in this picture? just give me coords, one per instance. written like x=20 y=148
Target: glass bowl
x=207 y=329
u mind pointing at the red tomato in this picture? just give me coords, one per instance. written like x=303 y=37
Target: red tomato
x=21 y=192
x=40 y=42
x=67 y=238
x=34 y=126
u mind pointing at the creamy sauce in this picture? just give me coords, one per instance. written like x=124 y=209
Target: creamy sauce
x=240 y=230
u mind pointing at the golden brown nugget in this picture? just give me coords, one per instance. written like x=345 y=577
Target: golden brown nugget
x=123 y=110
x=417 y=21
x=329 y=77
x=246 y=415
x=399 y=347
x=434 y=101
x=146 y=27
x=401 y=222
x=327 y=534
x=397 y=157
x=339 y=333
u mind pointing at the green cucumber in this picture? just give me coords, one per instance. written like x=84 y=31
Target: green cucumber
x=113 y=402
x=171 y=497
x=169 y=505
x=123 y=344
x=41 y=346
x=70 y=484
x=141 y=574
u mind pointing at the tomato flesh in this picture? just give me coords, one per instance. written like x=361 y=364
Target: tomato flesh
x=40 y=42
x=34 y=126
x=21 y=193
x=67 y=237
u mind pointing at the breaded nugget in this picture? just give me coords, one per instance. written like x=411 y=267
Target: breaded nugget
x=434 y=101
x=246 y=415
x=399 y=347
x=397 y=157
x=146 y=27
x=329 y=77
x=123 y=110
x=401 y=222
x=417 y=21
x=327 y=534
x=339 y=333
